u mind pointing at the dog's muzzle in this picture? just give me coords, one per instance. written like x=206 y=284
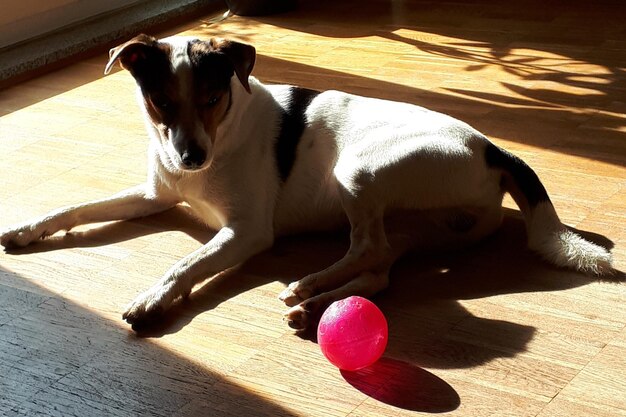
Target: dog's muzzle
x=193 y=158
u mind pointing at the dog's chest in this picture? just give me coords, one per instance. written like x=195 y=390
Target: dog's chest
x=203 y=200
x=209 y=214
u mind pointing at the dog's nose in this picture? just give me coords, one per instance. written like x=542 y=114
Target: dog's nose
x=193 y=159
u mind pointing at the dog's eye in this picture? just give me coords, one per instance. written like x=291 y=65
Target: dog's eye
x=162 y=103
x=211 y=102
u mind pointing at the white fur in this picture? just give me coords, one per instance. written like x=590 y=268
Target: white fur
x=358 y=160
x=562 y=247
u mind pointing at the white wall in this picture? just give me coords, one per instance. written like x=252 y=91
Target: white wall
x=24 y=19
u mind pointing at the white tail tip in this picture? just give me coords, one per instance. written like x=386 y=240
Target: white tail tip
x=568 y=249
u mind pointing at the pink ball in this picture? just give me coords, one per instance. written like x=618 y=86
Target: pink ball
x=352 y=333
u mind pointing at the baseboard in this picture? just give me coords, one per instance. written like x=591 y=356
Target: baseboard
x=54 y=50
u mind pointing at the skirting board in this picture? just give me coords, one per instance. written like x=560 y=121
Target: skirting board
x=51 y=51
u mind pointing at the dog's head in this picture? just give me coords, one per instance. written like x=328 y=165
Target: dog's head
x=186 y=89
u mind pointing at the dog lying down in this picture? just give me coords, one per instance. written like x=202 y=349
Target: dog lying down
x=257 y=161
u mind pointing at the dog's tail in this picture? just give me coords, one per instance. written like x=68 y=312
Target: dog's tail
x=546 y=234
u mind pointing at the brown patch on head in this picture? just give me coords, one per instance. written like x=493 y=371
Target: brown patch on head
x=233 y=57
x=148 y=60
x=214 y=63
x=241 y=56
x=212 y=69
x=139 y=54
x=162 y=104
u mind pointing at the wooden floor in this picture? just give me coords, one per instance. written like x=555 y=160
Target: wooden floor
x=491 y=331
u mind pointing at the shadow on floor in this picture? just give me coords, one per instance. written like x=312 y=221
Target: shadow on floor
x=500 y=265
x=405 y=386
x=421 y=305
x=58 y=358
x=566 y=55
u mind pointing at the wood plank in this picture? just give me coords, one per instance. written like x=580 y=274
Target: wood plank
x=489 y=331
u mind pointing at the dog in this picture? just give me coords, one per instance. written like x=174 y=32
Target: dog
x=256 y=161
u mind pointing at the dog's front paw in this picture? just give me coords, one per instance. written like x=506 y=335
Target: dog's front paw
x=24 y=234
x=148 y=307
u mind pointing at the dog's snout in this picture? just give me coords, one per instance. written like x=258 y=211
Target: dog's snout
x=193 y=158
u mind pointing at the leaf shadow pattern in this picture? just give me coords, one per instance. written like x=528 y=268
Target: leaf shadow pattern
x=531 y=76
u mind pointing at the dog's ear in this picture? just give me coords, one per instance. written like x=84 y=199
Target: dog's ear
x=241 y=55
x=132 y=53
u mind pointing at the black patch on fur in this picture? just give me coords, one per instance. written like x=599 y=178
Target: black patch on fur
x=292 y=123
x=525 y=178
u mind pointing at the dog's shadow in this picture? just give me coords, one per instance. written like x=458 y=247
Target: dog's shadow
x=422 y=304
x=425 y=301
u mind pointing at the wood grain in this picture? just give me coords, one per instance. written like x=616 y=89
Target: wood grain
x=490 y=331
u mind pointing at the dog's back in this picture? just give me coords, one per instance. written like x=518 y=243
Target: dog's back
x=400 y=156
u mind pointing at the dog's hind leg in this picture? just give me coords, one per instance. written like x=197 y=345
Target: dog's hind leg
x=324 y=290
x=369 y=249
x=440 y=229
x=365 y=284
x=362 y=256
x=363 y=271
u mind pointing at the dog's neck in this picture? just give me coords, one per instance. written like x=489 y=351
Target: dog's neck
x=244 y=119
